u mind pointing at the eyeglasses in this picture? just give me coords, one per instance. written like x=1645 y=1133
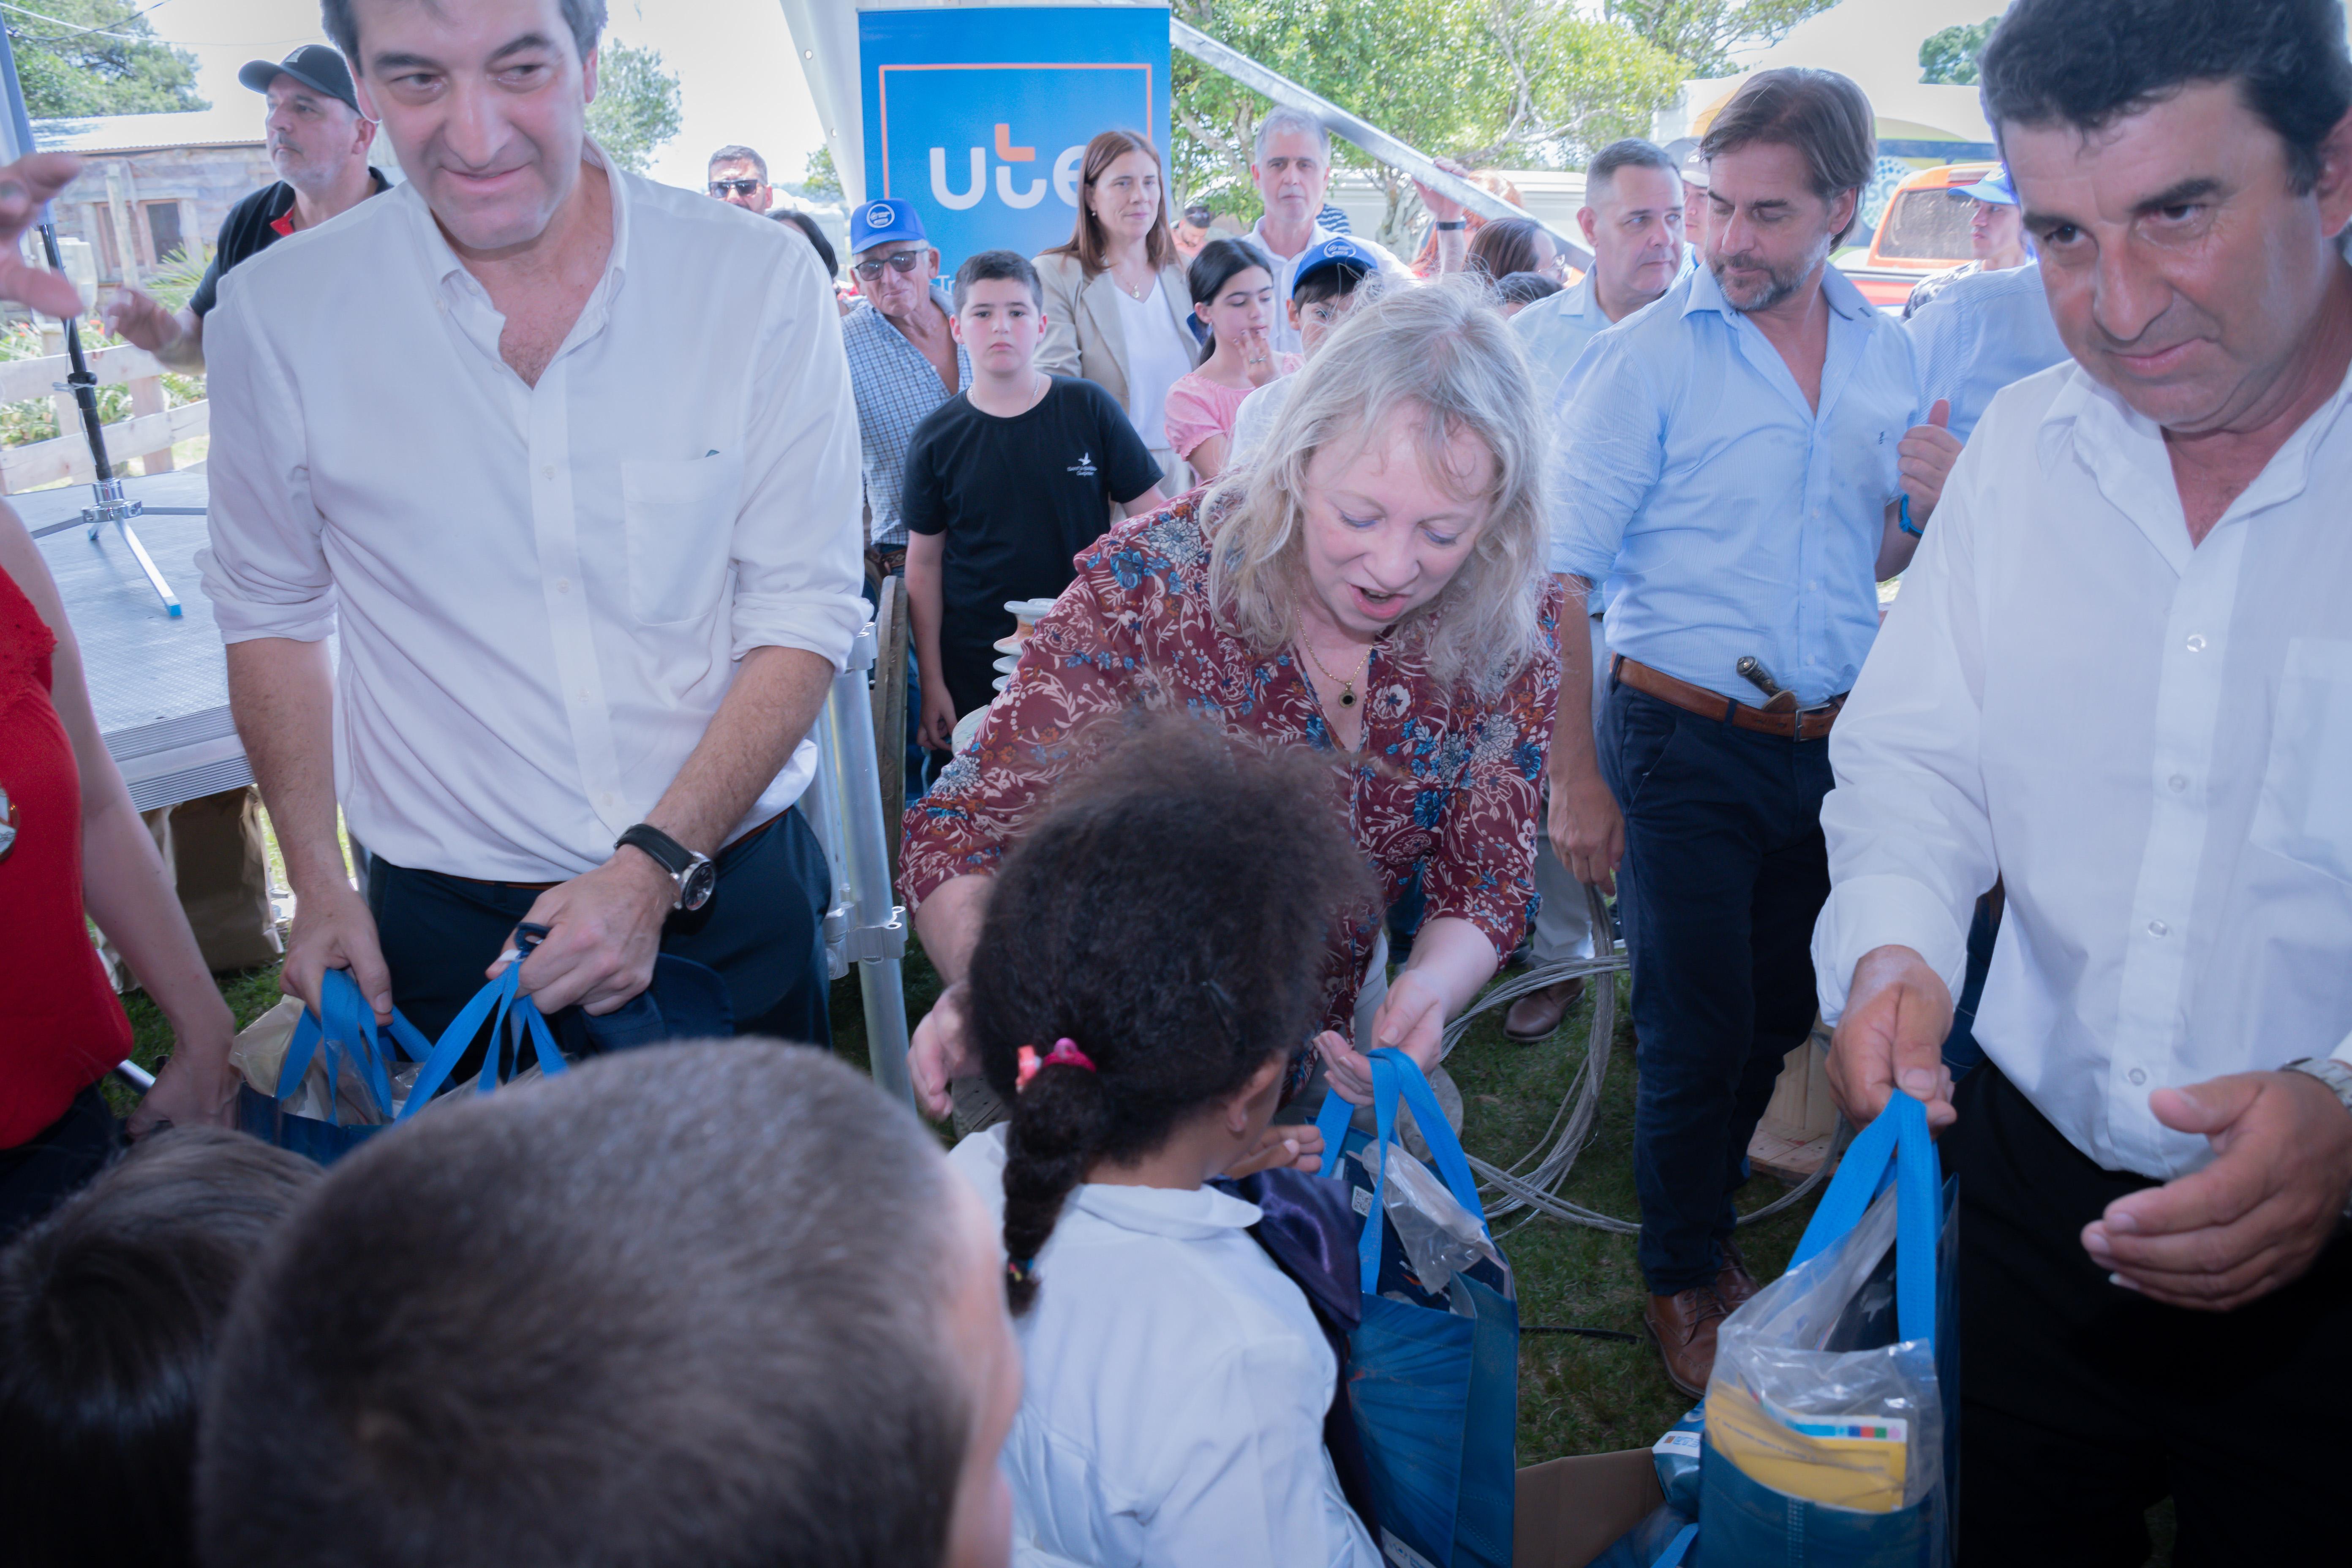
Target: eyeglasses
x=739 y=187
x=1199 y=216
x=903 y=261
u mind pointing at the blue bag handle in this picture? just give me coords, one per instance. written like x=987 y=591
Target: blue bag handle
x=1896 y=1146
x=515 y=1015
x=1394 y=1073
x=344 y=1018
x=1672 y=1556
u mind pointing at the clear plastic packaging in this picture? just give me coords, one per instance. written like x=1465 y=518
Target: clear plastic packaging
x=1440 y=1237
x=1797 y=1407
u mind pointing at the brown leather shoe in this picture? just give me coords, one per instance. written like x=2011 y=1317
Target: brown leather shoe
x=1684 y=1325
x=1733 y=1283
x=1536 y=1015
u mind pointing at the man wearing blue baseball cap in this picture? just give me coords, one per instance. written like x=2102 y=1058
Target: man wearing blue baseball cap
x=1996 y=237
x=904 y=359
x=319 y=145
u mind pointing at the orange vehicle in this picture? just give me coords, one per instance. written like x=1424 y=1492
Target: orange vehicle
x=1924 y=230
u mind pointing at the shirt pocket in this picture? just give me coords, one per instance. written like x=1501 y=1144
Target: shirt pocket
x=680 y=517
x=2305 y=809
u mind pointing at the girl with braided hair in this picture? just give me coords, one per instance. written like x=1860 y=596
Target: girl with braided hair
x=1148 y=965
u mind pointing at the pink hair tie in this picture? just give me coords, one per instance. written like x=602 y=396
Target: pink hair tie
x=1065 y=1053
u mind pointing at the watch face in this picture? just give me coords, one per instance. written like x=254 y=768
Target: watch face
x=695 y=887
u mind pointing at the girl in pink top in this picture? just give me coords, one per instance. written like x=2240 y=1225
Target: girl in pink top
x=1232 y=294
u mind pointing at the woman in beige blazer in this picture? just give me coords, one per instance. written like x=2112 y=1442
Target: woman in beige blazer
x=1116 y=300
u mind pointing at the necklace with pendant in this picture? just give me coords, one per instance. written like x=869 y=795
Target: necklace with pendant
x=1347 y=684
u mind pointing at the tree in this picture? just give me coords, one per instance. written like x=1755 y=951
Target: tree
x=637 y=108
x=820 y=181
x=1703 y=34
x=77 y=58
x=1950 y=56
x=1486 y=82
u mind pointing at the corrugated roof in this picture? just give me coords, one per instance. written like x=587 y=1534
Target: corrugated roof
x=224 y=126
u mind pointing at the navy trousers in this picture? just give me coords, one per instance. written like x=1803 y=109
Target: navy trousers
x=761 y=931
x=2082 y=1404
x=1723 y=873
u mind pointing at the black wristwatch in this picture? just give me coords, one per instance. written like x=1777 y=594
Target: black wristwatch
x=1457 y=223
x=694 y=874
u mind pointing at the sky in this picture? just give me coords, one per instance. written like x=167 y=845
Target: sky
x=737 y=77
x=739 y=82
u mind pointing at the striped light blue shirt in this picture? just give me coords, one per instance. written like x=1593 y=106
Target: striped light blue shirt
x=1554 y=330
x=1727 y=517
x=1980 y=333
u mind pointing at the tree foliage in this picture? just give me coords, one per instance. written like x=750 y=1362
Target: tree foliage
x=1522 y=82
x=1950 y=56
x=820 y=181
x=1703 y=34
x=81 y=57
x=637 y=106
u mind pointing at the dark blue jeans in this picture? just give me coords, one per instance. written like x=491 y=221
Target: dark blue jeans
x=761 y=931
x=1723 y=873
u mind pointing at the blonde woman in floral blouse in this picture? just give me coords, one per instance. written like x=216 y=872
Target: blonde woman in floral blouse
x=1373 y=587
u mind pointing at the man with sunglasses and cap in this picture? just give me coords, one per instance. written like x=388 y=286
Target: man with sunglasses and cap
x=319 y=144
x=904 y=361
x=1997 y=240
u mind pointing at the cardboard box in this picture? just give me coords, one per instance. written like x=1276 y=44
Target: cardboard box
x=1569 y=1511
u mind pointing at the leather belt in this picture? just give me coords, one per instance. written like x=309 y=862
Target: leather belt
x=542 y=887
x=1796 y=724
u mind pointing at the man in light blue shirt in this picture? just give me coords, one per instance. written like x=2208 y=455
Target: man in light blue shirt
x=1980 y=333
x=1734 y=462
x=1632 y=219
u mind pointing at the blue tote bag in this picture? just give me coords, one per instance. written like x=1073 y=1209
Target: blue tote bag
x=344 y=1033
x=346 y=1037
x=1841 y=1379
x=1436 y=1390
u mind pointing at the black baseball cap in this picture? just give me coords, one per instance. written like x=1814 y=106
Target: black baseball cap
x=315 y=65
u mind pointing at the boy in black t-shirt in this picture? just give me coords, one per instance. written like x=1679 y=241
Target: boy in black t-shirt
x=1005 y=483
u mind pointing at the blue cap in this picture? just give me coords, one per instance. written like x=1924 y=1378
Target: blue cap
x=1338 y=252
x=880 y=222
x=1994 y=187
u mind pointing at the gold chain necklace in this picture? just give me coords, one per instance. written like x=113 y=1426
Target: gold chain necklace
x=1348 y=685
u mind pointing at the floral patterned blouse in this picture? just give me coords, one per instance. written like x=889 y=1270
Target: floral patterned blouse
x=1447 y=781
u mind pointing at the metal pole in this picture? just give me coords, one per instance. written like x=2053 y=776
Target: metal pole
x=873 y=936
x=1363 y=132
x=108 y=502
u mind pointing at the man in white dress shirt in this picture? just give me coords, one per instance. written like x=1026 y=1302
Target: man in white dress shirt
x=1291 y=164
x=2119 y=677
x=593 y=561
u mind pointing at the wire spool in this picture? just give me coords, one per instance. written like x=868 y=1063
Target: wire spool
x=1530 y=1185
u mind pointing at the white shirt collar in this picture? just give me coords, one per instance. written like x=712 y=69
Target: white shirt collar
x=1195 y=1216
x=2124 y=449
x=448 y=268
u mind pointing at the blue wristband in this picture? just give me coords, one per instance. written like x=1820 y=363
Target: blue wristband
x=1902 y=521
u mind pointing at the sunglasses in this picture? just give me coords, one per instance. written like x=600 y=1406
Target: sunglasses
x=902 y=262
x=1199 y=217
x=739 y=187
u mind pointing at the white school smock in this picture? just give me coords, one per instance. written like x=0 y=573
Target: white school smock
x=1174 y=1390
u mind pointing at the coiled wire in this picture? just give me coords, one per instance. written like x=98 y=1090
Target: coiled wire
x=1530 y=1185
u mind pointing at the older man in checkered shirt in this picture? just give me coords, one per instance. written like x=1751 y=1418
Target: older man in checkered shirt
x=903 y=360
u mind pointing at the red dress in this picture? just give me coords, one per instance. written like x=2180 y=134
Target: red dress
x=1448 y=781
x=61 y=1028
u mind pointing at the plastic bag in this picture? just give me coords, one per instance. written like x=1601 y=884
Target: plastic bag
x=1831 y=1417
x=1440 y=1237
x=1794 y=1409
